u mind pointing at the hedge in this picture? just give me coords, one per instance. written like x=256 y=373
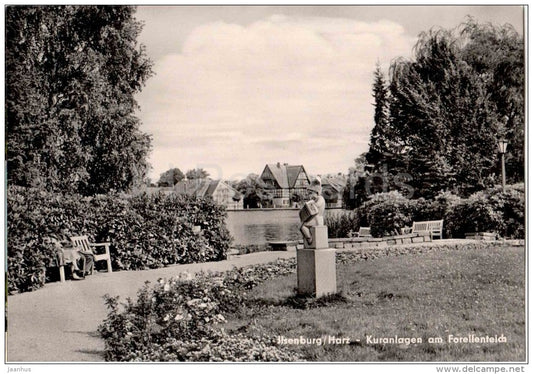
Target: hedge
x=144 y=231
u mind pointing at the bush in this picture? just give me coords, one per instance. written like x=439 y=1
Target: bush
x=390 y=216
x=514 y=209
x=341 y=225
x=364 y=215
x=474 y=215
x=491 y=210
x=386 y=213
x=176 y=319
x=144 y=231
x=160 y=231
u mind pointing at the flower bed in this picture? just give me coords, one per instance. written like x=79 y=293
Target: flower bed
x=175 y=320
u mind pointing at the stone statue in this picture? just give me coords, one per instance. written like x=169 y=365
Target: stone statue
x=315 y=262
x=312 y=213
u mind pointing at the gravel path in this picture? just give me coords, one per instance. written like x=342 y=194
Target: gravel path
x=58 y=323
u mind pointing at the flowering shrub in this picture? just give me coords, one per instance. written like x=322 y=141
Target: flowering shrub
x=144 y=231
x=175 y=320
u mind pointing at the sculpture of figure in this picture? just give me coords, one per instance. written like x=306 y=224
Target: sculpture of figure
x=312 y=213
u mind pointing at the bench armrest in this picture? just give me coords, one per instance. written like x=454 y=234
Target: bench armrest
x=105 y=245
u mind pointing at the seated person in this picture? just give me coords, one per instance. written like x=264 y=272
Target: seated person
x=81 y=262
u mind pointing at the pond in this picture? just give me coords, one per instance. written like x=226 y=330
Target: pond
x=259 y=226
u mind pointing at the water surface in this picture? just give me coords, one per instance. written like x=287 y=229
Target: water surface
x=258 y=226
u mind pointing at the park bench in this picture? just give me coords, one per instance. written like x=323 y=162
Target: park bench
x=82 y=242
x=68 y=253
x=364 y=232
x=433 y=227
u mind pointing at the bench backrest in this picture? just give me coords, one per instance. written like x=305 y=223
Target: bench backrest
x=433 y=226
x=81 y=242
x=364 y=231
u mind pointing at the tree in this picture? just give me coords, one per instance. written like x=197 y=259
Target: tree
x=498 y=54
x=255 y=192
x=197 y=173
x=357 y=190
x=298 y=197
x=447 y=106
x=71 y=76
x=380 y=135
x=170 y=177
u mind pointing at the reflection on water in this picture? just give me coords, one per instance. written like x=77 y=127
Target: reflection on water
x=262 y=226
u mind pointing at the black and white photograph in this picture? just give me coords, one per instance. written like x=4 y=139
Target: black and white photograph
x=236 y=184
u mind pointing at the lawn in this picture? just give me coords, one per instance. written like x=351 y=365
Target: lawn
x=388 y=309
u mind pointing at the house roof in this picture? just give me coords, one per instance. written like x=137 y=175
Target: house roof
x=280 y=174
x=196 y=187
x=337 y=183
x=285 y=175
x=293 y=171
x=211 y=188
x=200 y=187
x=155 y=190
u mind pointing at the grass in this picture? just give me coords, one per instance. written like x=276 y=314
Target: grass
x=427 y=295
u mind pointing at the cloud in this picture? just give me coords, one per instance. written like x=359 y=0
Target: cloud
x=280 y=85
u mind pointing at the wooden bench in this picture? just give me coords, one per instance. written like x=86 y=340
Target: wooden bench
x=433 y=227
x=364 y=232
x=82 y=242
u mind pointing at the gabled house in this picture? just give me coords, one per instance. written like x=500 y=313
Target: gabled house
x=332 y=190
x=221 y=192
x=284 y=180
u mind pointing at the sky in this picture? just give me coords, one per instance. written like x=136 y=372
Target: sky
x=239 y=87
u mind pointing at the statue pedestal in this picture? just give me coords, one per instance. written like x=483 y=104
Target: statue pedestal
x=320 y=238
x=315 y=267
